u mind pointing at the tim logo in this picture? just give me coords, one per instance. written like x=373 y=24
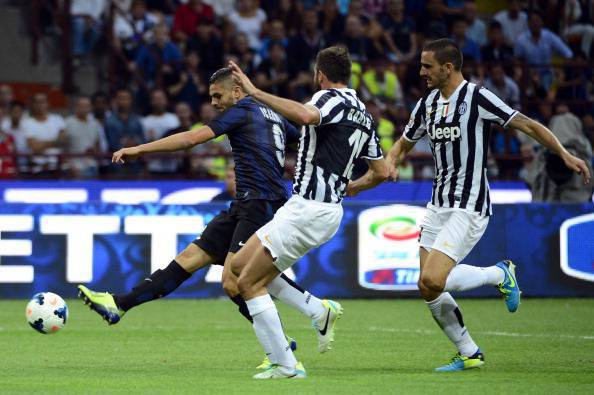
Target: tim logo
x=577 y=247
x=444 y=132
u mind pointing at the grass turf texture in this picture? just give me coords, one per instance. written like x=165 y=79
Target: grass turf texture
x=382 y=346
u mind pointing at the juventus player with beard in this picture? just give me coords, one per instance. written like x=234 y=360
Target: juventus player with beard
x=338 y=130
x=456 y=115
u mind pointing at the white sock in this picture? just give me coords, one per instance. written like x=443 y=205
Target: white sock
x=286 y=290
x=446 y=312
x=269 y=331
x=465 y=277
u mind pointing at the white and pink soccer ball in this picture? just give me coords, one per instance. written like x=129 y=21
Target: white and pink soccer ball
x=47 y=312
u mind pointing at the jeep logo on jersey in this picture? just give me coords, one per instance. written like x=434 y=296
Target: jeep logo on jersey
x=444 y=132
x=577 y=248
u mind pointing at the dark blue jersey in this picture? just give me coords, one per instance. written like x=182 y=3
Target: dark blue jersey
x=257 y=135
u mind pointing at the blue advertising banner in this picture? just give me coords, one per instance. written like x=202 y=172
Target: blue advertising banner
x=111 y=247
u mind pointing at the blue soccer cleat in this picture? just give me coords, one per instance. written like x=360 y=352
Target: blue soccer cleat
x=509 y=288
x=460 y=362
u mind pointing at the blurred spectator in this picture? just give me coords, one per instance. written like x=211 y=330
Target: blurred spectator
x=12 y=125
x=470 y=49
x=248 y=19
x=184 y=114
x=570 y=80
x=357 y=9
x=276 y=34
x=513 y=20
x=189 y=16
x=302 y=50
x=476 y=30
x=361 y=48
x=122 y=127
x=229 y=192
x=101 y=110
x=552 y=181
x=211 y=166
x=82 y=137
x=6 y=98
x=132 y=28
x=156 y=125
x=496 y=48
x=503 y=86
x=373 y=8
x=272 y=74
x=45 y=134
x=331 y=20
x=8 y=167
x=221 y=8
x=209 y=46
x=400 y=31
x=577 y=21
x=188 y=85
x=384 y=127
x=432 y=23
x=159 y=120
x=289 y=12
x=86 y=24
x=243 y=54
x=536 y=47
x=380 y=83
x=159 y=59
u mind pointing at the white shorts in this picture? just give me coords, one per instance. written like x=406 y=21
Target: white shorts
x=452 y=231
x=297 y=227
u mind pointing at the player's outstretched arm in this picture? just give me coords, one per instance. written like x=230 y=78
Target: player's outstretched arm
x=545 y=137
x=399 y=151
x=294 y=111
x=379 y=171
x=176 y=142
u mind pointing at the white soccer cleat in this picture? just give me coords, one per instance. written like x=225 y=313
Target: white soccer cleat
x=280 y=372
x=324 y=327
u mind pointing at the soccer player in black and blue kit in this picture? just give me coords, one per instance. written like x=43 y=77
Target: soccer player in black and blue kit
x=257 y=135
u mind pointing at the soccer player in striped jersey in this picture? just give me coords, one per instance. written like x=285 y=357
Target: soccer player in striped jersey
x=257 y=135
x=338 y=130
x=456 y=116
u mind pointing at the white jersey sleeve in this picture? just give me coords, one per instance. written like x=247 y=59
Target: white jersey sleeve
x=329 y=104
x=492 y=108
x=416 y=126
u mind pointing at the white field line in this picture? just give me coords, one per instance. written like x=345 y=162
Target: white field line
x=488 y=333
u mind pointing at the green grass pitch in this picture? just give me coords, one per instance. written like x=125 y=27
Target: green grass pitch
x=382 y=347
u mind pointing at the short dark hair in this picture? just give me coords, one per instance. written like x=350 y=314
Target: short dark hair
x=335 y=63
x=445 y=51
x=220 y=75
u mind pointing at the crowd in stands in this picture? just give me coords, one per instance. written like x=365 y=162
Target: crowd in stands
x=535 y=55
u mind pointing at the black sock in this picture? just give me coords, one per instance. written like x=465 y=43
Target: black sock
x=243 y=309
x=157 y=285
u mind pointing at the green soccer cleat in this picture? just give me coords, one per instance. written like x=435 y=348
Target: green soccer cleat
x=324 y=327
x=460 y=362
x=278 y=372
x=102 y=303
x=509 y=288
x=266 y=364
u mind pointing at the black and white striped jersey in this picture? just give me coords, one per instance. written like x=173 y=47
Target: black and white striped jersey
x=458 y=131
x=327 y=152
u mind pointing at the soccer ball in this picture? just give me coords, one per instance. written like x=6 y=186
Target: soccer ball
x=47 y=312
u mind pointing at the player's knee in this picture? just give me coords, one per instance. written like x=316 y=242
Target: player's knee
x=230 y=285
x=236 y=265
x=428 y=282
x=244 y=285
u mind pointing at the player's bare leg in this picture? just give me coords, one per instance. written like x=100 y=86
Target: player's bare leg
x=435 y=268
x=254 y=266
